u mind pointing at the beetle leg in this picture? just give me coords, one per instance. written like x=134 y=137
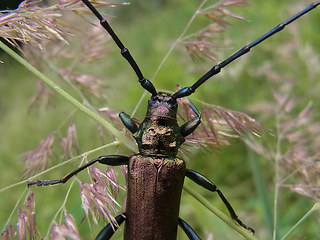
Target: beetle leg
x=207 y=184
x=190 y=126
x=108 y=231
x=128 y=122
x=112 y=160
x=192 y=235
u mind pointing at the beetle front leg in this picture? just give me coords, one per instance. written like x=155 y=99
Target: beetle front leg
x=108 y=231
x=128 y=122
x=190 y=126
x=207 y=184
x=112 y=160
x=192 y=235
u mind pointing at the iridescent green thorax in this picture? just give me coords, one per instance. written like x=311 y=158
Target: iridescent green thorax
x=159 y=133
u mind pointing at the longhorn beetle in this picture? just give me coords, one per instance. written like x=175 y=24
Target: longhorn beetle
x=155 y=174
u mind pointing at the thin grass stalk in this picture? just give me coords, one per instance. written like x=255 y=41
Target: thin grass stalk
x=14 y=209
x=315 y=207
x=276 y=183
x=62 y=207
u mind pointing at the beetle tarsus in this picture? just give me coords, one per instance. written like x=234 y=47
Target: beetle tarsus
x=41 y=183
x=243 y=225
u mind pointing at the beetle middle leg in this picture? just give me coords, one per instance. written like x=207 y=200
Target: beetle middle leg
x=112 y=160
x=207 y=184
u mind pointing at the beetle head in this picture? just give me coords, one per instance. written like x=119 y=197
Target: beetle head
x=162 y=105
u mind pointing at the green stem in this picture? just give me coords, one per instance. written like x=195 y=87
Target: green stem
x=218 y=213
x=315 y=207
x=261 y=189
x=116 y=133
x=277 y=184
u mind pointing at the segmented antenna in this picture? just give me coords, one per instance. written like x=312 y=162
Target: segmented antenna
x=145 y=83
x=217 y=68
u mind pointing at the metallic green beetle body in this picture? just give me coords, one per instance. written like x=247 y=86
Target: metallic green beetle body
x=155 y=175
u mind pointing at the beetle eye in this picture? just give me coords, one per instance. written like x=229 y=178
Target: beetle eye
x=172 y=101
x=154 y=99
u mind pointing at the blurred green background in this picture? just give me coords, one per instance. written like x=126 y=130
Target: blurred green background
x=148 y=28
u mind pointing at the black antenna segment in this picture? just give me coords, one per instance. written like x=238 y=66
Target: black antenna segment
x=145 y=83
x=217 y=68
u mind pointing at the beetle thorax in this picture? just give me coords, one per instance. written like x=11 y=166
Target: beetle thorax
x=159 y=133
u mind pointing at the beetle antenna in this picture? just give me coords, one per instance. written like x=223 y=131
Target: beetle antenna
x=145 y=83
x=217 y=68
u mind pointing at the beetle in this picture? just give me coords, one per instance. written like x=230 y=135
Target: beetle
x=155 y=174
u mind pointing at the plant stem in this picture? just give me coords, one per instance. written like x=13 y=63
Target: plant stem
x=116 y=133
x=315 y=207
